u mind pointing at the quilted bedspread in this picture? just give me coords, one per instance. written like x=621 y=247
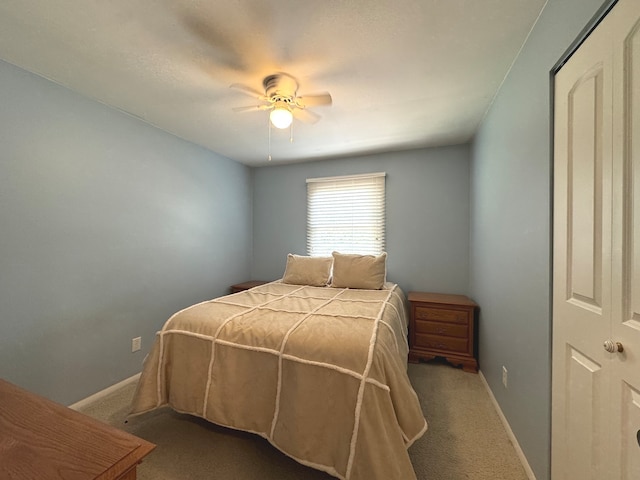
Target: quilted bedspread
x=319 y=372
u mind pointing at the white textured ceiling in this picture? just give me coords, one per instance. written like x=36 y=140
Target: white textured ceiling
x=402 y=73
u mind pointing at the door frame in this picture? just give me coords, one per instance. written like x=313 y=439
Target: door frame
x=602 y=12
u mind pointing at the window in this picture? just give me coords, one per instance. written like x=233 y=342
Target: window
x=346 y=214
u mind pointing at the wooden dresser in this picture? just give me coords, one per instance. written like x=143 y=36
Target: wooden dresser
x=444 y=326
x=43 y=440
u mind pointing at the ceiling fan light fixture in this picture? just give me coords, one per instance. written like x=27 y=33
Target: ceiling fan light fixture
x=281 y=116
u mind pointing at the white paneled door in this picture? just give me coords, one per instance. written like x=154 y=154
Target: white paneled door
x=596 y=272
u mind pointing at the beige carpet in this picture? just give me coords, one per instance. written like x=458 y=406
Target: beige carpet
x=465 y=440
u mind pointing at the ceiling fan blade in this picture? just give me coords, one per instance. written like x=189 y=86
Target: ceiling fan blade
x=249 y=91
x=251 y=108
x=306 y=116
x=315 y=100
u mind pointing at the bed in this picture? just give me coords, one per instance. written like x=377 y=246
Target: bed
x=316 y=368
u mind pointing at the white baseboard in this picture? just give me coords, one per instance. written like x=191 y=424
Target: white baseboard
x=103 y=393
x=507 y=427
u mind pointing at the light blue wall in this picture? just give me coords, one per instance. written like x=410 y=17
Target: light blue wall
x=511 y=229
x=427 y=212
x=108 y=226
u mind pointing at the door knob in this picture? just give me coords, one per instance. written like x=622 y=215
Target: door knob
x=613 y=347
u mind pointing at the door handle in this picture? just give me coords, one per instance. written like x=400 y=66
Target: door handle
x=613 y=347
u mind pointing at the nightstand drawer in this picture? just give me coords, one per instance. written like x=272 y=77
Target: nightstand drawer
x=442 y=328
x=442 y=315
x=446 y=344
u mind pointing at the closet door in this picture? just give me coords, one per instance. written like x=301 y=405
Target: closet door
x=582 y=261
x=625 y=378
x=596 y=332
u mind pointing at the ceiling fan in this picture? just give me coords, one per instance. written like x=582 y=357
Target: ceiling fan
x=281 y=98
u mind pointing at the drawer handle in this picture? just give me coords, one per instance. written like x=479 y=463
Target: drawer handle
x=441 y=330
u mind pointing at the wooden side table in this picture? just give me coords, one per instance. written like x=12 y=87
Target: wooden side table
x=239 y=287
x=444 y=326
x=45 y=440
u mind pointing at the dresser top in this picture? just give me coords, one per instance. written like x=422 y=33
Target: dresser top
x=42 y=439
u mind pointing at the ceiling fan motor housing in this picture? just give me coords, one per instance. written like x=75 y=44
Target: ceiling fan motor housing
x=280 y=85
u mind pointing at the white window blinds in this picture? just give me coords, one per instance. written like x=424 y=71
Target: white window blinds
x=346 y=214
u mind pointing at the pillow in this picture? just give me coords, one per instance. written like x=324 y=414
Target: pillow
x=359 y=271
x=301 y=270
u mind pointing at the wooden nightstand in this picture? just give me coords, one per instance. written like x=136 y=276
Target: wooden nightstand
x=239 y=287
x=443 y=326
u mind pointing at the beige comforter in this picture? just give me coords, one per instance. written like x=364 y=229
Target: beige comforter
x=319 y=372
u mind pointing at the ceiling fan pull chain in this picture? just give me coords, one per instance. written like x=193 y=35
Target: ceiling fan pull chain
x=291 y=133
x=269 y=126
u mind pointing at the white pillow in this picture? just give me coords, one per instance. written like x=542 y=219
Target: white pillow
x=359 y=271
x=301 y=270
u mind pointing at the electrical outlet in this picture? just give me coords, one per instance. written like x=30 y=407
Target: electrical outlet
x=504 y=376
x=136 y=344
